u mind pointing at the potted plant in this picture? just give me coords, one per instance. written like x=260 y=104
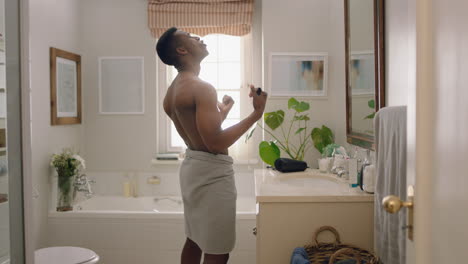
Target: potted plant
x=269 y=151
x=67 y=164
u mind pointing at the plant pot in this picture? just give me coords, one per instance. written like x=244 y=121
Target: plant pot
x=65 y=193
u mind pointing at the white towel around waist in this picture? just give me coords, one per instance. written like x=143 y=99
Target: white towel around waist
x=209 y=194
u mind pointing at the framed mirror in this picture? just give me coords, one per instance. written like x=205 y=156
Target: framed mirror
x=365 y=68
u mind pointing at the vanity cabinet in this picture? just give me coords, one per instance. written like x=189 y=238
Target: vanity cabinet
x=290 y=207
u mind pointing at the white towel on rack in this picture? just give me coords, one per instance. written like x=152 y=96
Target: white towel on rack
x=390 y=139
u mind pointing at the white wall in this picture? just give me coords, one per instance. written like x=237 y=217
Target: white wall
x=2 y=21
x=361 y=25
x=53 y=23
x=3 y=76
x=124 y=142
x=117 y=142
x=398 y=51
x=129 y=142
x=4 y=209
x=310 y=26
x=361 y=30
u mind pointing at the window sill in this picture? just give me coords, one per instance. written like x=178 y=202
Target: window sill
x=156 y=162
x=165 y=162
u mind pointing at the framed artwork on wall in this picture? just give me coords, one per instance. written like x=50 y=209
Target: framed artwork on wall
x=361 y=67
x=121 y=85
x=65 y=87
x=298 y=74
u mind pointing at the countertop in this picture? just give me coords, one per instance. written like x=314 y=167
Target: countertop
x=308 y=186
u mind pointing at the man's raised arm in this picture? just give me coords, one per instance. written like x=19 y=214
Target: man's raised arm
x=209 y=119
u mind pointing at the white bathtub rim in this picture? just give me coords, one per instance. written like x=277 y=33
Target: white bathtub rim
x=5 y=259
x=131 y=214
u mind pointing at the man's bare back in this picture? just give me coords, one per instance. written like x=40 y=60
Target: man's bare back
x=180 y=106
x=193 y=106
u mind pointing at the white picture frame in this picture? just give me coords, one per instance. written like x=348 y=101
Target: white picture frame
x=298 y=74
x=121 y=85
x=362 y=73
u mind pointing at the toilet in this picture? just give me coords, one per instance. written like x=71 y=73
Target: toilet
x=65 y=255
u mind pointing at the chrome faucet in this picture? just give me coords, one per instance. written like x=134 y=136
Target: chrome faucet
x=342 y=173
x=83 y=184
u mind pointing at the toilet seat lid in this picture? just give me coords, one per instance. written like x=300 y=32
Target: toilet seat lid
x=64 y=255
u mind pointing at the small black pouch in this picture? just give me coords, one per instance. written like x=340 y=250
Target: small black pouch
x=290 y=165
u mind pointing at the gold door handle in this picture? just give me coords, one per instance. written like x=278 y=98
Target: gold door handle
x=393 y=204
x=3 y=198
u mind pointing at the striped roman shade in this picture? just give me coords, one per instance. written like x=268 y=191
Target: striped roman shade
x=201 y=17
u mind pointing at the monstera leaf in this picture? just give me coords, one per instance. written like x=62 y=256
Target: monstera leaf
x=371 y=105
x=298 y=106
x=322 y=137
x=269 y=152
x=371 y=116
x=301 y=117
x=274 y=119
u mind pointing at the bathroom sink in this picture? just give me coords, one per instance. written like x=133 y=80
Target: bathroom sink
x=303 y=183
x=307 y=186
x=311 y=181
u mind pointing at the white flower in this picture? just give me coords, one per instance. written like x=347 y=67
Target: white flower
x=52 y=160
x=80 y=160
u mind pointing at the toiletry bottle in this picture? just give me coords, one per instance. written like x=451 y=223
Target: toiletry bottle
x=358 y=158
x=127 y=187
x=365 y=163
x=353 y=173
x=134 y=184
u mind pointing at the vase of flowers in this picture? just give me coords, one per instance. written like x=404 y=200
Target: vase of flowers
x=67 y=164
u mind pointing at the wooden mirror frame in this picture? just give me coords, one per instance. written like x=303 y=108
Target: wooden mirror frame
x=355 y=138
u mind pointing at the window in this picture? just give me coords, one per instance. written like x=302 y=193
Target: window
x=223 y=68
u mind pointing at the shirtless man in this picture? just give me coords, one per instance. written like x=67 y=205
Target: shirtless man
x=207 y=181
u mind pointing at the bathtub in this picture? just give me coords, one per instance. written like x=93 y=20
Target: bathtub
x=5 y=259
x=146 y=229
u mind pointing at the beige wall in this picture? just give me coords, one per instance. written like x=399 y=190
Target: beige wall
x=53 y=23
x=2 y=31
x=310 y=26
x=128 y=142
x=361 y=25
x=399 y=50
x=117 y=142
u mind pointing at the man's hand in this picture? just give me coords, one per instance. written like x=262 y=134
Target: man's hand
x=227 y=100
x=225 y=106
x=259 y=100
x=208 y=118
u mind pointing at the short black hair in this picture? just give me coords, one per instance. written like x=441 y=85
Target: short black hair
x=166 y=47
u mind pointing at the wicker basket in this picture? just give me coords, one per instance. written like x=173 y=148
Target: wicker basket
x=329 y=253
